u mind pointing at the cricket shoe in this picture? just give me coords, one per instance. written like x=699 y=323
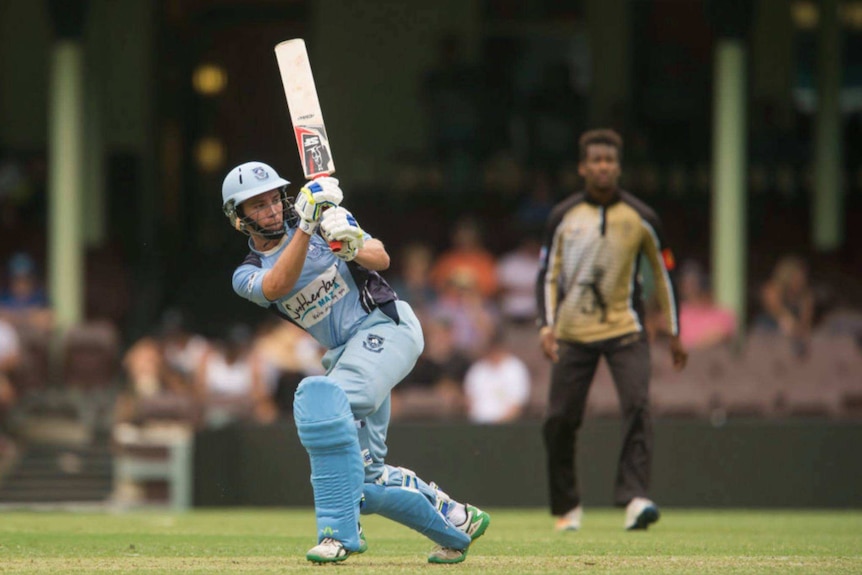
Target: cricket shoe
x=475 y=525
x=332 y=551
x=571 y=521
x=640 y=512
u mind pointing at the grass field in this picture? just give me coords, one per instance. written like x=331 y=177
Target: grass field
x=518 y=541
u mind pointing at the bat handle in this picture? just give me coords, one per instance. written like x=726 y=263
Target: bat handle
x=334 y=245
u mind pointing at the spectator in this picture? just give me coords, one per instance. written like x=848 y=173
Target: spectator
x=467 y=258
x=497 y=386
x=9 y=356
x=10 y=349
x=413 y=283
x=24 y=303
x=788 y=303
x=144 y=366
x=517 y=271
x=151 y=396
x=703 y=324
x=288 y=354
x=149 y=417
x=182 y=348
x=439 y=371
x=471 y=315
x=230 y=381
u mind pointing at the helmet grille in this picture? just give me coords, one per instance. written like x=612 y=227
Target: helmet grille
x=247 y=225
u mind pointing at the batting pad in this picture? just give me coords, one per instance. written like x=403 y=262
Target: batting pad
x=402 y=497
x=328 y=433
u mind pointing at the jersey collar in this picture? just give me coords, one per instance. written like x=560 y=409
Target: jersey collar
x=617 y=196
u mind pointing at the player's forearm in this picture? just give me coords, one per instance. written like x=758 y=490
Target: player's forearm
x=666 y=297
x=373 y=256
x=281 y=278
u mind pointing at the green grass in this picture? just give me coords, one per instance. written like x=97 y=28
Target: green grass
x=518 y=542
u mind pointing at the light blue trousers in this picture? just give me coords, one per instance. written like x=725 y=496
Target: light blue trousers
x=378 y=356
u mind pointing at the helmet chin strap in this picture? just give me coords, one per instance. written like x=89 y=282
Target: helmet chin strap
x=268 y=234
x=248 y=226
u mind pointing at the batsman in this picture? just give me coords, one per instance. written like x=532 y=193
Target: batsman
x=372 y=340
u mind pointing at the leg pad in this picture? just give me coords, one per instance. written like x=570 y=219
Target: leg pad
x=402 y=497
x=328 y=432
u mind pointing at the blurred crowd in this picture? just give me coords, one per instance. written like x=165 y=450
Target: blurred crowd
x=481 y=360
x=468 y=301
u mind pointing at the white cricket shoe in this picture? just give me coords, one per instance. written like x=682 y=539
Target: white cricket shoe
x=327 y=551
x=475 y=525
x=640 y=512
x=331 y=550
x=571 y=521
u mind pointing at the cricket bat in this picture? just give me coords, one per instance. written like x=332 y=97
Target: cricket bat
x=315 y=154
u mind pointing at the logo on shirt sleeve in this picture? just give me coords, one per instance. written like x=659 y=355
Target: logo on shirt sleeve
x=249 y=286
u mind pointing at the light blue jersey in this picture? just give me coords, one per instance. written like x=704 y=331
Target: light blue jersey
x=331 y=297
x=372 y=339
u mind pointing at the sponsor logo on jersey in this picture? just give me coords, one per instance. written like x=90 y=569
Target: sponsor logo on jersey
x=315 y=300
x=373 y=343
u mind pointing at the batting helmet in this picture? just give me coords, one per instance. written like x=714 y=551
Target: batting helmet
x=246 y=181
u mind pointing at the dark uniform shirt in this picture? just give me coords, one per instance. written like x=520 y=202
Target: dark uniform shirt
x=588 y=287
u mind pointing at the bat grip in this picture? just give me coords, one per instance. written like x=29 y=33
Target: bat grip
x=334 y=245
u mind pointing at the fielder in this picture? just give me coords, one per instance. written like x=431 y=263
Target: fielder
x=373 y=340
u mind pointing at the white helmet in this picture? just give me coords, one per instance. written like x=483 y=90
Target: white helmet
x=248 y=180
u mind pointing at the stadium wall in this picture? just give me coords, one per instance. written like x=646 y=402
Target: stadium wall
x=757 y=463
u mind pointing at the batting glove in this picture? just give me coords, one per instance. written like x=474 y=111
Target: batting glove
x=339 y=225
x=313 y=198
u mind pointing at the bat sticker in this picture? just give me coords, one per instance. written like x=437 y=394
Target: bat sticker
x=315 y=150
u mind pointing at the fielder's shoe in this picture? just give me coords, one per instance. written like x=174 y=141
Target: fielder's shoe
x=331 y=550
x=475 y=525
x=640 y=512
x=571 y=521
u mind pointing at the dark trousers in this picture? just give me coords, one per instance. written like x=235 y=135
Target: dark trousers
x=629 y=361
